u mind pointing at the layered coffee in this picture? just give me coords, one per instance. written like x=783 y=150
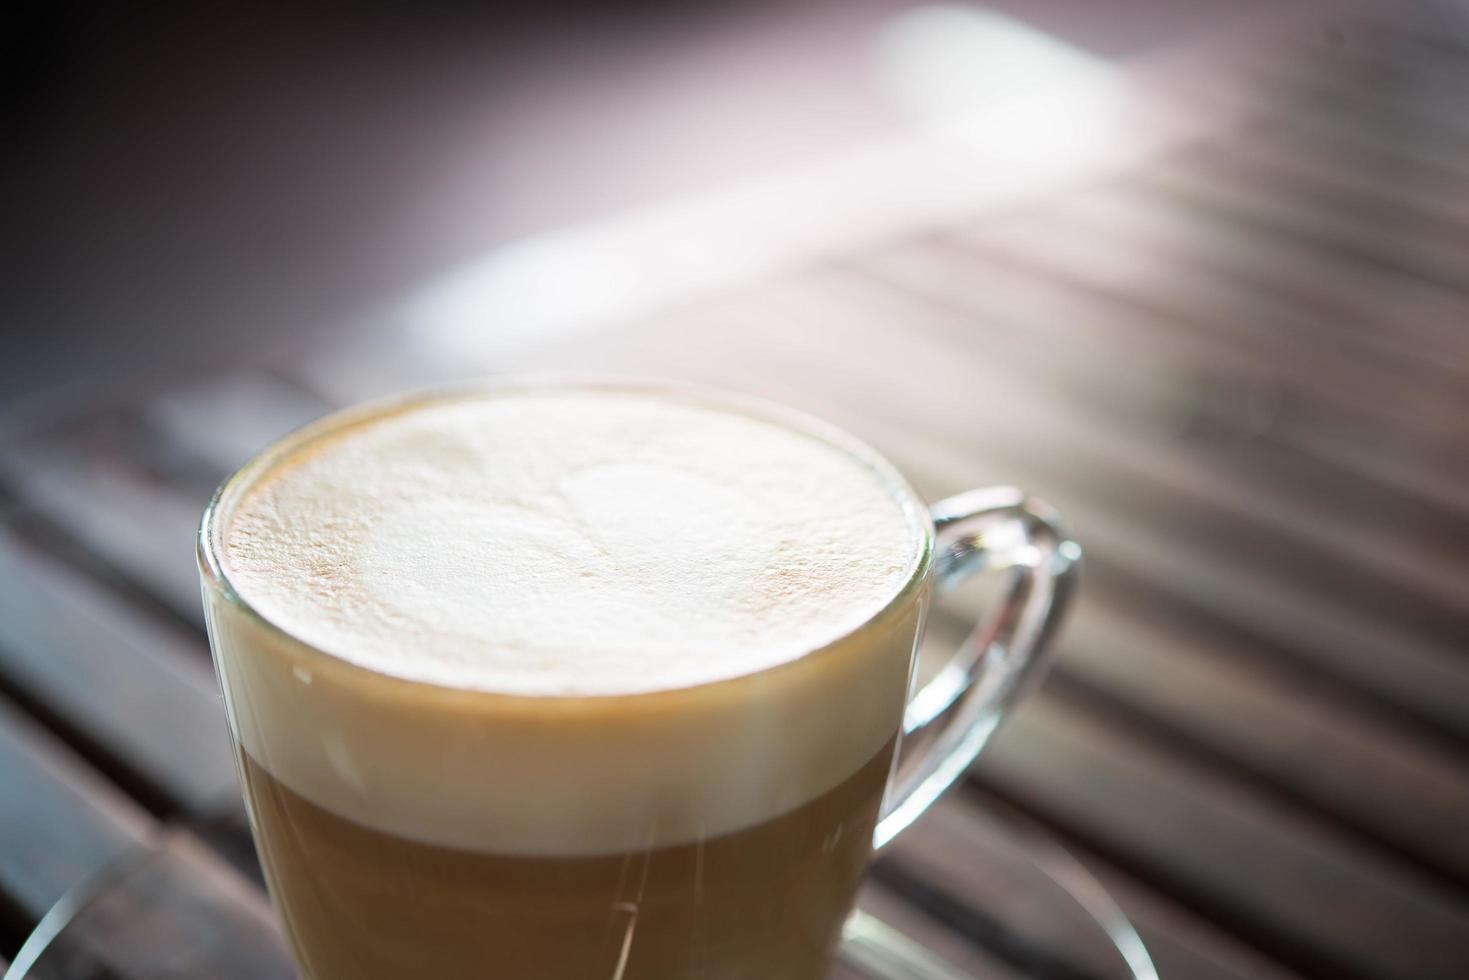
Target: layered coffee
x=565 y=682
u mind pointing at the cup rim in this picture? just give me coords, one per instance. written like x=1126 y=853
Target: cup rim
x=214 y=520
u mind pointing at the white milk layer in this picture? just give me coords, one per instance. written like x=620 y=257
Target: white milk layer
x=565 y=620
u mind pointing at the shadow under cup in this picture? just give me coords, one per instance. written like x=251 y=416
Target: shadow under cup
x=413 y=830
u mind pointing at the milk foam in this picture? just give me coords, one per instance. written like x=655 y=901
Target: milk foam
x=605 y=603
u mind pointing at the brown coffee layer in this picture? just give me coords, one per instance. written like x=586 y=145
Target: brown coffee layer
x=766 y=902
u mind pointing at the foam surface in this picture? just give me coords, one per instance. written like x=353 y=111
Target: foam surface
x=593 y=621
x=569 y=543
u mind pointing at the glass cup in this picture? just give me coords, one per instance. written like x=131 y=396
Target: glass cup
x=705 y=853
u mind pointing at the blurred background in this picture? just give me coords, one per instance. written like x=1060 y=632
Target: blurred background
x=199 y=175
x=1197 y=273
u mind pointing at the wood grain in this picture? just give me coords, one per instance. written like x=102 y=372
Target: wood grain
x=1278 y=726
x=1280 y=402
x=182 y=914
x=1240 y=284
x=1433 y=262
x=956 y=859
x=1353 y=180
x=950 y=946
x=142 y=527
x=1288 y=883
x=60 y=821
x=140 y=692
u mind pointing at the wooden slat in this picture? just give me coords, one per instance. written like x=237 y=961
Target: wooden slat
x=1289 y=882
x=990 y=889
x=1142 y=252
x=1420 y=678
x=1435 y=477
x=1403 y=30
x=1368 y=90
x=142 y=527
x=1179 y=940
x=59 y=821
x=1414 y=221
x=1346 y=132
x=1289 y=422
x=1432 y=51
x=1183 y=495
x=1385 y=82
x=1422 y=233
x=933 y=936
x=1374 y=94
x=143 y=523
x=959 y=854
x=167 y=908
x=1259 y=289
x=1271 y=416
x=850 y=321
x=1279 y=726
x=179 y=915
x=1314 y=746
x=1232 y=280
x=1439 y=261
x=1222 y=227
x=1339 y=123
x=1362 y=174
x=1159 y=290
x=140 y=692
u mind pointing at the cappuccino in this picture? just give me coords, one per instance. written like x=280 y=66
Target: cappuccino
x=565 y=682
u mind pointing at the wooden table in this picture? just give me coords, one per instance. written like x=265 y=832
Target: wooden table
x=1238 y=361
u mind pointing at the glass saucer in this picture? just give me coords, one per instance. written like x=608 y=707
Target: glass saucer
x=1048 y=919
x=1057 y=923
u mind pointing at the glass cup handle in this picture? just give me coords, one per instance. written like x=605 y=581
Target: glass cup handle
x=951 y=717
